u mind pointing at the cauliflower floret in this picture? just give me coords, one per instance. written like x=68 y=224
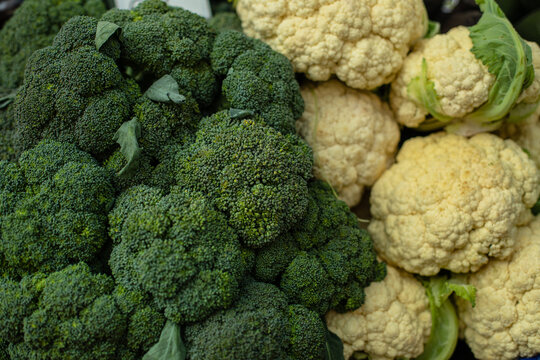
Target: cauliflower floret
x=363 y=42
x=353 y=135
x=462 y=82
x=505 y=324
x=526 y=134
x=451 y=202
x=395 y=320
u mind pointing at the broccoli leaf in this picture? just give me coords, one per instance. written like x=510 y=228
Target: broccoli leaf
x=423 y=92
x=444 y=322
x=7 y=99
x=170 y=345
x=334 y=347
x=105 y=30
x=239 y=114
x=127 y=137
x=165 y=90
x=499 y=47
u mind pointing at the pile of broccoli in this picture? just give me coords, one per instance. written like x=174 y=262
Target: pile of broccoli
x=155 y=182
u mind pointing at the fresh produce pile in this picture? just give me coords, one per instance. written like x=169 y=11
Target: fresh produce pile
x=175 y=188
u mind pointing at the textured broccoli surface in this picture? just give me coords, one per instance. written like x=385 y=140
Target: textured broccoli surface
x=225 y=21
x=177 y=248
x=8 y=143
x=326 y=260
x=32 y=27
x=255 y=174
x=74 y=93
x=74 y=314
x=53 y=209
x=261 y=325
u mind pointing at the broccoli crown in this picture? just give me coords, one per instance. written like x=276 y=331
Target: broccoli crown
x=32 y=27
x=69 y=314
x=326 y=261
x=261 y=325
x=53 y=208
x=164 y=40
x=254 y=174
x=74 y=93
x=177 y=248
x=257 y=78
x=225 y=21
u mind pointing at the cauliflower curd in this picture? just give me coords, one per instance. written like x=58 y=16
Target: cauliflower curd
x=452 y=203
x=363 y=42
x=505 y=323
x=353 y=135
x=395 y=320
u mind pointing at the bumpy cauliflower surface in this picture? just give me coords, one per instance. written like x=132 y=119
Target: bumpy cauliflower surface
x=526 y=135
x=505 y=324
x=353 y=136
x=452 y=203
x=363 y=42
x=462 y=82
x=395 y=320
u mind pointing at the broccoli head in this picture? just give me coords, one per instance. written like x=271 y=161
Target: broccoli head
x=75 y=314
x=261 y=325
x=177 y=248
x=257 y=78
x=326 y=260
x=53 y=208
x=8 y=144
x=32 y=27
x=255 y=174
x=74 y=93
x=164 y=40
x=225 y=21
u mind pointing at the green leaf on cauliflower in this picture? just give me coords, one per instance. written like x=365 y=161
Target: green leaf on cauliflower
x=506 y=55
x=445 y=327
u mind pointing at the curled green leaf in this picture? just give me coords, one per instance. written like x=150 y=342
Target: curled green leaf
x=127 y=137
x=169 y=346
x=239 y=114
x=334 y=347
x=433 y=29
x=105 y=30
x=165 y=90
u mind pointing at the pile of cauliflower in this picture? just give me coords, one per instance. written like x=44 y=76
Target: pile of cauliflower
x=457 y=196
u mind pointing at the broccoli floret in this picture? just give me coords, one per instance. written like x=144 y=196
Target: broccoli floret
x=164 y=40
x=69 y=314
x=225 y=21
x=53 y=210
x=8 y=144
x=257 y=78
x=326 y=260
x=179 y=249
x=32 y=27
x=254 y=174
x=261 y=325
x=219 y=6
x=74 y=93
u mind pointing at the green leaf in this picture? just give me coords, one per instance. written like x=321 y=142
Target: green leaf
x=127 y=137
x=7 y=99
x=444 y=322
x=239 y=114
x=165 y=90
x=422 y=91
x=521 y=111
x=433 y=29
x=499 y=47
x=334 y=347
x=169 y=346
x=105 y=30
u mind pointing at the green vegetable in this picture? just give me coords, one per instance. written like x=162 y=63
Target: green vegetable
x=334 y=347
x=444 y=329
x=169 y=346
x=433 y=29
x=126 y=137
x=105 y=30
x=165 y=90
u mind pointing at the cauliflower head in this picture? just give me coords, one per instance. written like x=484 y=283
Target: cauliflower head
x=452 y=203
x=394 y=322
x=362 y=42
x=353 y=136
x=505 y=324
x=461 y=81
